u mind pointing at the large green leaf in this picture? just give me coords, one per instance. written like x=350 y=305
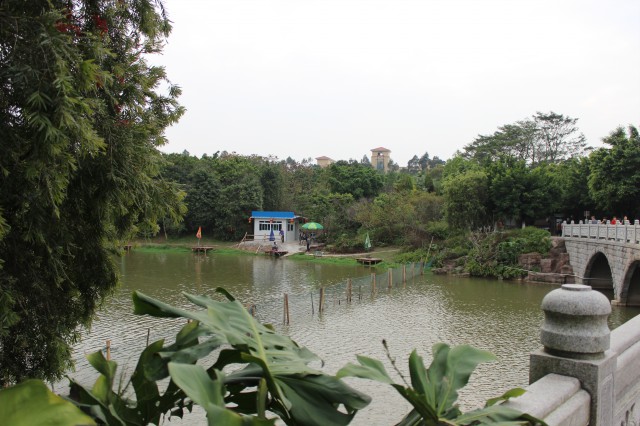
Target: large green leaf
x=460 y=363
x=369 y=368
x=149 y=405
x=418 y=373
x=32 y=403
x=511 y=393
x=209 y=394
x=435 y=390
x=299 y=393
x=373 y=369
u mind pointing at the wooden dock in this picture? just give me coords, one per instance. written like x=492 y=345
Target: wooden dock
x=202 y=249
x=276 y=253
x=368 y=260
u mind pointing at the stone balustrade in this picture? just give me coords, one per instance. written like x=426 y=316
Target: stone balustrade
x=624 y=233
x=584 y=375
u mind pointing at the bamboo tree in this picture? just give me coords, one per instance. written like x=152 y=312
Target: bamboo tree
x=81 y=120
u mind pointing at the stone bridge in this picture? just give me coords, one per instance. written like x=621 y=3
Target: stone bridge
x=607 y=258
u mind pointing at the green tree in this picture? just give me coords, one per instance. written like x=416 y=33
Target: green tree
x=614 y=182
x=466 y=196
x=202 y=198
x=512 y=140
x=413 y=165
x=424 y=161
x=404 y=183
x=354 y=178
x=433 y=179
x=546 y=138
x=273 y=188
x=240 y=193
x=519 y=192
x=572 y=178
x=387 y=218
x=81 y=120
x=558 y=137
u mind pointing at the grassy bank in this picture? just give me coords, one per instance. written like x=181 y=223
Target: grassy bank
x=184 y=244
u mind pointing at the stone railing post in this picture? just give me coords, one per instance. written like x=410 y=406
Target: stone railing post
x=575 y=336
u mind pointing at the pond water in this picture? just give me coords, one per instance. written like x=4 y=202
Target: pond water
x=501 y=317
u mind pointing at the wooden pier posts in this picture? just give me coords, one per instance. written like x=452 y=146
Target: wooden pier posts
x=321 y=303
x=285 y=318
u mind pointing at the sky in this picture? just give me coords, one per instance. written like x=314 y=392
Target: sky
x=337 y=78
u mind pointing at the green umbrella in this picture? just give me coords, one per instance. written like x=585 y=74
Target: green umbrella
x=312 y=226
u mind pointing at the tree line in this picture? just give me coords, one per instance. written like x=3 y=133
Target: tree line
x=526 y=173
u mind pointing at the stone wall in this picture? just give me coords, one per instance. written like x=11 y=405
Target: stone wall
x=553 y=269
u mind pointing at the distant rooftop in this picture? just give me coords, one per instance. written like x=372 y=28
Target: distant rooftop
x=383 y=149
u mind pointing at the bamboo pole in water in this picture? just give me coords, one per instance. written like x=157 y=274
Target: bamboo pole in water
x=421 y=267
x=373 y=283
x=390 y=274
x=349 y=290
x=404 y=274
x=108 y=350
x=321 y=304
x=286 y=309
x=148 y=333
x=312 y=312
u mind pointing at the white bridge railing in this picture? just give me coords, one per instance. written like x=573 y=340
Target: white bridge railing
x=627 y=233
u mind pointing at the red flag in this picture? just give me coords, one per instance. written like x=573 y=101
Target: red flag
x=199 y=233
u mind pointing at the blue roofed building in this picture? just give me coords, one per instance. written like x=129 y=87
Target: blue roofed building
x=264 y=222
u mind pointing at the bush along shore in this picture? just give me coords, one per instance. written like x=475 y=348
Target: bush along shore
x=530 y=254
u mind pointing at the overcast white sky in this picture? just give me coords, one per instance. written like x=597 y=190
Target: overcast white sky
x=340 y=77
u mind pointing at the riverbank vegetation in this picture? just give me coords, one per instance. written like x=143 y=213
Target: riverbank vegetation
x=471 y=211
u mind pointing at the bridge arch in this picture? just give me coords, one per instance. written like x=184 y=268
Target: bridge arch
x=630 y=294
x=606 y=257
x=598 y=275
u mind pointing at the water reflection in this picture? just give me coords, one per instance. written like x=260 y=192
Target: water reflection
x=502 y=317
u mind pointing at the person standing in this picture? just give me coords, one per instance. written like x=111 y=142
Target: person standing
x=281 y=235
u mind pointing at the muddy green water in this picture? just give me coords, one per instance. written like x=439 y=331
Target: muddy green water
x=502 y=317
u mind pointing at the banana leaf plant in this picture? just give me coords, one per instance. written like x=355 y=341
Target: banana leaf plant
x=433 y=392
x=256 y=371
x=150 y=405
x=32 y=403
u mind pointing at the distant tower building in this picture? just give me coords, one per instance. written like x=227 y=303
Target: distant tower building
x=324 y=161
x=380 y=159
